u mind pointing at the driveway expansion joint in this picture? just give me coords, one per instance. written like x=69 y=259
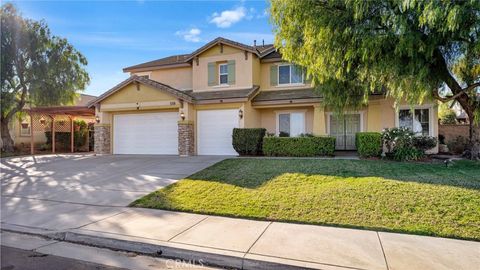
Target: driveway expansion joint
x=383 y=251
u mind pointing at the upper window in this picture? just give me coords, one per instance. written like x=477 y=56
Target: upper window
x=291 y=124
x=419 y=122
x=223 y=73
x=289 y=74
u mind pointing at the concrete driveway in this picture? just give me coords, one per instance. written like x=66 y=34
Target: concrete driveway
x=66 y=191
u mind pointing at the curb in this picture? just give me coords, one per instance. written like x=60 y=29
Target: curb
x=167 y=250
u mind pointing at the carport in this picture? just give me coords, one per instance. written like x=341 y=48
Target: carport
x=57 y=119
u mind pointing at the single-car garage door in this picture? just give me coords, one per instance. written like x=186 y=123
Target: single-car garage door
x=145 y=133
x=214 y=131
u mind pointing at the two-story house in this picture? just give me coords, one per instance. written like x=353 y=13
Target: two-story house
x=188 y=104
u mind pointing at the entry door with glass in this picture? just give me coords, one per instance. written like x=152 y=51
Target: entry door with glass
x=344 y=128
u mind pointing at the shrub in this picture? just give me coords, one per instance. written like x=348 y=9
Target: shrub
x=448 y=118
x=298 y=146
x=403 y=145
x=397 y=137
x=369 y=144
x=458 y=145
x=407 y=153
x=424 y=143
x=248 y=141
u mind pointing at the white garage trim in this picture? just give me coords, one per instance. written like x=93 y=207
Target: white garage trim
x=214 y=131
x=146 y=133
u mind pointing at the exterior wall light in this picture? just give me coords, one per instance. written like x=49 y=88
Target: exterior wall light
x=182 y=115
x=240 y=113
x=24 y=123
x=42 y=121
x=97 y=119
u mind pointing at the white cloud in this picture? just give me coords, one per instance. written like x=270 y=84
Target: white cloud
x=226 y=18
x=192 y=35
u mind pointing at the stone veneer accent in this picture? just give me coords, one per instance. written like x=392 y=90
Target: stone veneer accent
x=102 y=139
x=186 y=138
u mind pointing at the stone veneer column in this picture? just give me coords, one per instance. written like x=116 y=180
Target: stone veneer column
x=102 y=139
x=186 y=139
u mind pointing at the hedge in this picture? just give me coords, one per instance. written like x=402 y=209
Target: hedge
x=248 y=141
x=369 y=144
x=298 y=146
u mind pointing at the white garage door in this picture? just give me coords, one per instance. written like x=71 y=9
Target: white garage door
x=214 y=132
x=146 y=133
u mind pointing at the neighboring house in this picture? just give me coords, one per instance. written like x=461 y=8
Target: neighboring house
x=21 y=127
x=188 y=104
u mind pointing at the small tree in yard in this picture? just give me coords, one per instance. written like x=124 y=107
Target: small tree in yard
x=412 y=50
x=37 y=68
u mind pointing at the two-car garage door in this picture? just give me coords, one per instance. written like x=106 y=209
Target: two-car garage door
x=145 y=133
x=157 y=133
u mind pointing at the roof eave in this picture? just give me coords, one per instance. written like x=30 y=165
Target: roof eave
x=156 y=67
x=175 y=92
x=216 y=42
x=285 y=101
x=272 y=60
x=221 y=100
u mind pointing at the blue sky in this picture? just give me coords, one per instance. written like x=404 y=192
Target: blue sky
x=114 y=35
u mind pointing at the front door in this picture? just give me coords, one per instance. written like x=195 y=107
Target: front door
x=344 y=128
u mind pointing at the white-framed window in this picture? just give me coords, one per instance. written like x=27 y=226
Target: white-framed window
x=290 y=124
x=25 y=127
x=418 y=120
x=290 y=74
x=223 y=73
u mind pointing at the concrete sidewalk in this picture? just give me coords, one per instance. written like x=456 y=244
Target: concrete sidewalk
x=240 y=243
x=82 y=199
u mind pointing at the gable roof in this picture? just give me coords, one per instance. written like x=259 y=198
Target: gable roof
x=166 y=61
x=134 y=78
x=221 y=40
x=83 y=100
x=185 y=59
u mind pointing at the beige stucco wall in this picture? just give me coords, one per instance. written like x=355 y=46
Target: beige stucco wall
x=130 y=99
x=130 y=93
x=256 y=70
x=178 y=78
x=251 y=116
x=243 y=68
x=265 y=79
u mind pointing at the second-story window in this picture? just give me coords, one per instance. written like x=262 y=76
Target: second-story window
x=223 y=73
x=290 y=74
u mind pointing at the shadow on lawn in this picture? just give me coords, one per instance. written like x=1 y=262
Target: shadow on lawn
x=253 y=173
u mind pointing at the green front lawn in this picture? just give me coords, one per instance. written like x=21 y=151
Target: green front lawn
x=403 y=197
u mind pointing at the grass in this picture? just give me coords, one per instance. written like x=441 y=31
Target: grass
x=417 y=198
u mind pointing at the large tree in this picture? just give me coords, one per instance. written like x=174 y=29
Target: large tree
x=413 y=50
x=37 y=68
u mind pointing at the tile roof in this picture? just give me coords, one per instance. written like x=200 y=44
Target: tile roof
x=224 y=94
x=170 y=60
x=290 y=94
x=188 y=96
x=83 y=100
x=134 y=78
x=259 y=50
